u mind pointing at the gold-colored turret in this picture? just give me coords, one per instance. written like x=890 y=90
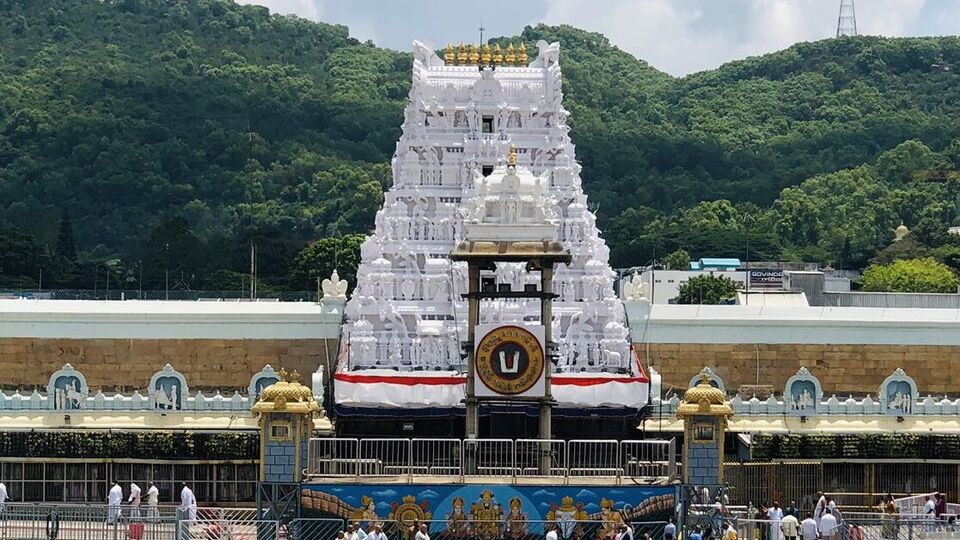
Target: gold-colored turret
x=448 y=56
x=512 y=156
x=522 y=57
x=511 y=57
x=474 y=54
x=485 y=54
x=497 y=55
x=462 y=54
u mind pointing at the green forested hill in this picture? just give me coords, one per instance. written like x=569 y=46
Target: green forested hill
x=168 y=134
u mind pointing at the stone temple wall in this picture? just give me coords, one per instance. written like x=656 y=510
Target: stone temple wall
x=841 y=369
x=129 y=363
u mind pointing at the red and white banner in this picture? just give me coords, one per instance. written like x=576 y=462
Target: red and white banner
x=446 y=389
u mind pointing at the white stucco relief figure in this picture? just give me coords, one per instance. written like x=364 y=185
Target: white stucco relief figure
x=451 y=168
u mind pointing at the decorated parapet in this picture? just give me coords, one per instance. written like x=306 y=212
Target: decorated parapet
x=803 y=396
x=167 y=391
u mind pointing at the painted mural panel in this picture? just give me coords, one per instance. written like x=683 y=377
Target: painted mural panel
x=488 y=512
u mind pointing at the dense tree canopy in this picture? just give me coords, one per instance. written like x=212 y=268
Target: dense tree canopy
x=707 y=289
x=143 y=138
x=925 y=275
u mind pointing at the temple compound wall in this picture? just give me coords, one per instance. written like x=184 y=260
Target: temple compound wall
x=850 y=350
x=120 y=345
x=215 y=364
x=842 y=369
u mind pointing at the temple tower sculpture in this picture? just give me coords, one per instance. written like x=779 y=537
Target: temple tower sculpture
x=285 y=410
x=704 y=411
x=408 y=312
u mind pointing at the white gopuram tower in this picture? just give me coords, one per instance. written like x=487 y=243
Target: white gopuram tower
x=407 y=314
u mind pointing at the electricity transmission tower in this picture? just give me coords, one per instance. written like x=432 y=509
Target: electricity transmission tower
x=847 y=22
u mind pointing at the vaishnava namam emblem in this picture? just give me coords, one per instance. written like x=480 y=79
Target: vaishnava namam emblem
x=510 y=360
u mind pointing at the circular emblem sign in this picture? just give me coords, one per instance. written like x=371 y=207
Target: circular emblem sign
x=509 y=360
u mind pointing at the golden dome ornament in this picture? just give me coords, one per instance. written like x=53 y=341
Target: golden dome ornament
x=462 y=55
x=448 y=55
x=522 y=56
x=511 y=57
x=287 y=395
x=497 y=55
x=485 y=55
x=474 y=54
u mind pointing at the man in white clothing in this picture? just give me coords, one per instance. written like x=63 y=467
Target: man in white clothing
x=134 y=500
x=819 y=508
x=153 y=500
x=114 y=499
x=828 y=525
x=808 y=528
x=3 y=496
x=188 y=503
x=361 y=534
x=775 y=515
x=351 y=533
x=551 y=532
x=422 y=534
x=377 y=533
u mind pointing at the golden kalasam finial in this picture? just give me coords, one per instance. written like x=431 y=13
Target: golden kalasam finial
x=522 y=57
x=511 y=57
x=512 y=156
x=462 y=55
x=448 y=56
x=485 y=55
x=295 y=376
x=497 y=55
x=474 y=54
x=282 y=374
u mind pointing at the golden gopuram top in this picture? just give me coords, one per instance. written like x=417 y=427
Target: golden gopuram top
x=485 y=55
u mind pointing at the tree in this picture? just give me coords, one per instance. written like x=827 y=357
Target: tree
x=707 y=289
x=321 y=258
x=925 y=275
x=677 y=260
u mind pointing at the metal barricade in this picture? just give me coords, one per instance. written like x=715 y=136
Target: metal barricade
x=314 y=529
x=540 y=457
x=648 y=458
x=488 y=457
x=384 y=457
x=227 y=529
x=436 y=457
x=594 y=458
x=23 y=521
x=509 y=526
x=334 y=457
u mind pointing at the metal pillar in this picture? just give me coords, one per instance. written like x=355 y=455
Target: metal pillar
x=473 y=413
x=546 y=404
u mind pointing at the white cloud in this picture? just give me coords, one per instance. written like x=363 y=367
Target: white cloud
x=681 y=37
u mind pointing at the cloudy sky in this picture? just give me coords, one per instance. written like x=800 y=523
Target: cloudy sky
x=676 y=36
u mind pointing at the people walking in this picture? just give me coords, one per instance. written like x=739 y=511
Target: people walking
x=377 y=532
x=790 y=527
x=670 y=531
x=114 y=499
x=134 y=501
x=188 y=503
x=153 y=501
x=828 y=525
x=809 y=528
x=820 y=508
x=775 y=515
